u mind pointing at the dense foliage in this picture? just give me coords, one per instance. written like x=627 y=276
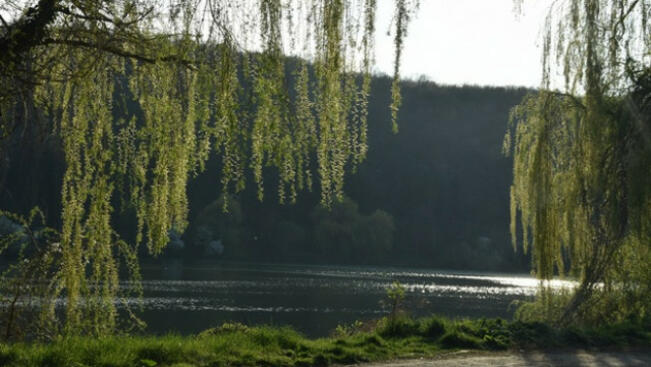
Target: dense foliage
x=447 y=195
x=442 y=179
x=73 y=66
x=581 y=187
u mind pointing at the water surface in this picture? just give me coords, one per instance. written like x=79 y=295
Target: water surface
x=315 y=299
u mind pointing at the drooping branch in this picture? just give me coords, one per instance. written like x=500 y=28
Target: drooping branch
x=26 y=32
x=119 y=51
x=581 y=186
x=184 y=89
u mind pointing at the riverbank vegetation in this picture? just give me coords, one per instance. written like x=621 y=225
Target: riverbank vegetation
x=581 y=192
x=136 y=99
x=239 y=345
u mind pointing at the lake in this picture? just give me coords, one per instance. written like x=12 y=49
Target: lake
x=315 y=299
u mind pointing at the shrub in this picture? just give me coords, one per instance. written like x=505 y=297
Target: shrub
x=343 y=330
x=396 y=297
x=432 y=328
x=397 y=327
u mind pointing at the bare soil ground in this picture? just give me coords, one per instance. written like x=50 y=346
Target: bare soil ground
x=564 y=358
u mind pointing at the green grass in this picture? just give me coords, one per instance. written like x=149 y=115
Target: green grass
x=238 y=345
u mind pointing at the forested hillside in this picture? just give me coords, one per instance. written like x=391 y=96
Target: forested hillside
x=433 y=195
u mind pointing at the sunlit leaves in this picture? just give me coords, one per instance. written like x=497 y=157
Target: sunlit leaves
x=142 y=93
x=578 y=183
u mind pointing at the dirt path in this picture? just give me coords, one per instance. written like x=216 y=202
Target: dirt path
x=536 y=359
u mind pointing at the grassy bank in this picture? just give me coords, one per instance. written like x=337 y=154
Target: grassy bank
x=238 y=345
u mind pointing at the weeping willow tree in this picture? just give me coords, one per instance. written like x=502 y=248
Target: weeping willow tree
x=73 y=67
x=581 y=190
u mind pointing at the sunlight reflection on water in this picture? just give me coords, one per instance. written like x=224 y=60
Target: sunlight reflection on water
x=314 y=299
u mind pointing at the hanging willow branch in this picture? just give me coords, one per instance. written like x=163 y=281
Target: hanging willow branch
x=581 y=187
x=141 y=93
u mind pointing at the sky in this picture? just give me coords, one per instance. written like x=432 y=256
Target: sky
x=481 y=42
x=455 y=42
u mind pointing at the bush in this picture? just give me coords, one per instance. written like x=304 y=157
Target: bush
x=343 y=330
x=398 y=327
x=432 y=328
